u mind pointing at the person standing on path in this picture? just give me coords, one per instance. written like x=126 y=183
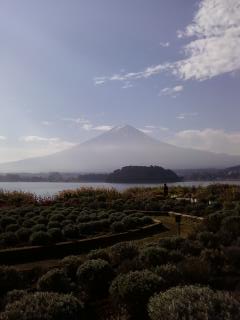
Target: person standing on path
x=165 y=190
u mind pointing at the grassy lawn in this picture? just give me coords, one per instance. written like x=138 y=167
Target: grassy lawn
x=187 y=226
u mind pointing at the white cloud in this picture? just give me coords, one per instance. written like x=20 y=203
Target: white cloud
x=147 y=73
x=103 y=128
x=90 y=127
x=164 y=44
x=38 y=139
x=87 y=125
x=55 y=142
x=163 y=128
x=216 y=49
x=147 y=131
x=214 y=140
x=213 y=48
x=99 y=81
x=150 y=127
x=80 y=120
x=127 y=85
x=153 y=129
x=171 y=91
x=46 y=123
x=33 y=146
x=3 y=138
x=183 y=116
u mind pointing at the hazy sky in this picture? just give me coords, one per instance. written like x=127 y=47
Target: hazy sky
x=70 y=69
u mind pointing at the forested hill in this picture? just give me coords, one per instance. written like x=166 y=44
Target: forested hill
x=143 y=174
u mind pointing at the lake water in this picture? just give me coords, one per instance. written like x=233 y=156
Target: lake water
x=51 y=188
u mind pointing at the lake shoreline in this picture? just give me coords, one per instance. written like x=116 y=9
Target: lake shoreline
x=53 y=188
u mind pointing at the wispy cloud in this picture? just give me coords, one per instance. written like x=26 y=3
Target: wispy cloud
x=214 y=46
x=3 y=138
x=90 y=127
x=153 y=128
x=79 y=120
x=86 y=124
x=38 y=139
x=56 y=142
x=171 y=91
x=46 y=123
x=34 y=146
x=103 y=128
x=164 y=44
x=183 y=116
x=146 y=130
x=147 y=73
x=208 y=139
x=127 y=85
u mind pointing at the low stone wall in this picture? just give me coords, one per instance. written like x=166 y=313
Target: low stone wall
x=149 y=212
x=60 y=250
x=185 y=216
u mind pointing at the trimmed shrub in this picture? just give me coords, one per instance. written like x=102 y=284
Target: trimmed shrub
x=117 y=227
x=72 y=217
x=41 y=220
x=10 y=279
x=117 y=216
x=57 y=217
x=53 y=224
x=225 y=237
x=8 y=239
x=12 y=227
x=54 y=280
x=39 y=227
x=123 y=251
x=86 y=228
x=207 y=239
x=98 y=254
x=192 y=248
x=214 y=221
x=94 y=277
x=153 y=256
x=5 y=221
x=214 y=258
x=173 y=243
x=170 y=274
x=44 y=306
x=132 y=290
x=231 y=225
x=193 y=270
x=14 y=295
x=55 y=234
x=29 y=223
x=175 y=256
x=130 y=222
x=23 y=234
x=71 y=231
x=70 y=265
x=233 y=256
x=146 y=220
x=40 y=238
x=29 y=215
x=192 y=302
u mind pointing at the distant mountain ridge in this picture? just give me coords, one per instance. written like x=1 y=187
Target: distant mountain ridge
x=117 y=148
x=227 y=174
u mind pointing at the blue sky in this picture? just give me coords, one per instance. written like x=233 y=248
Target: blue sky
x=71 y=69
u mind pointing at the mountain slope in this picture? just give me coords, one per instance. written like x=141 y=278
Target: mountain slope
x=119 y=147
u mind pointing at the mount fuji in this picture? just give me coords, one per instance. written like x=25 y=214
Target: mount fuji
x=119 y=147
